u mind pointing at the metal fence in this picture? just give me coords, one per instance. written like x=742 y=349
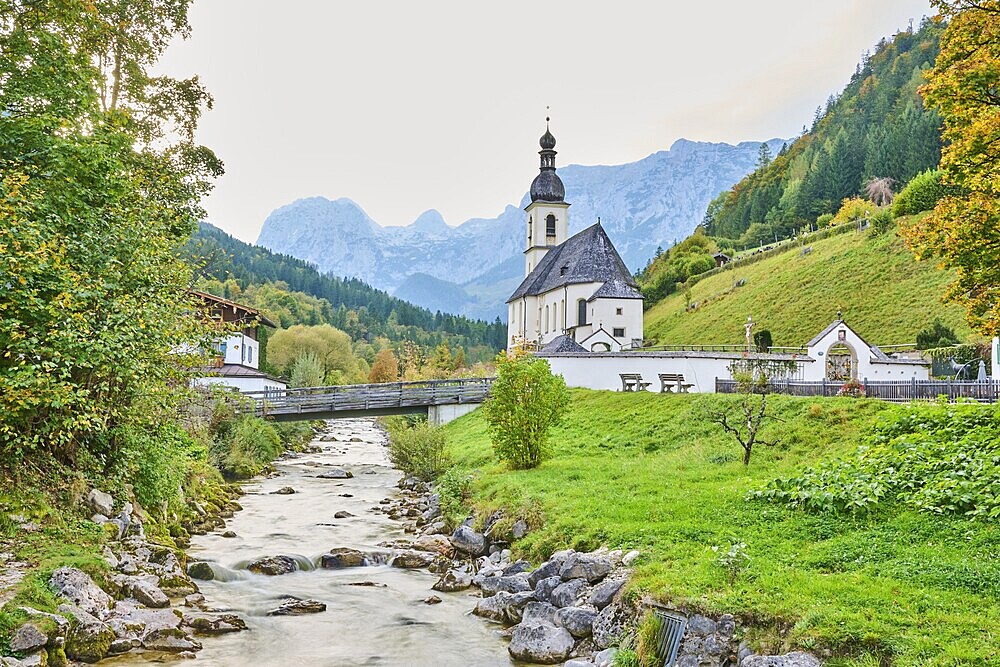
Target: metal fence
x=899 y=391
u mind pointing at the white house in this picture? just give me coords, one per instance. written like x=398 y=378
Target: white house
x=236 y=357
x=841 y=355
x=577 y=286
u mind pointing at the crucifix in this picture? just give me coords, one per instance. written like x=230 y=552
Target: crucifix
x=749 y=328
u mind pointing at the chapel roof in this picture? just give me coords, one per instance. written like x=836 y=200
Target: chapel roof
x=586 y=257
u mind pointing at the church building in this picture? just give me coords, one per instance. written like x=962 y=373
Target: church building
x=576 y=289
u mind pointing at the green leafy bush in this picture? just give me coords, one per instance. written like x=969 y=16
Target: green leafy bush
x=418 y=450
x=824 y=220
x=453 y=488
x=940 y=459
x=248 y=445
x=881 y=220
x=526 y=400
x=920 y=194
x=156 y=462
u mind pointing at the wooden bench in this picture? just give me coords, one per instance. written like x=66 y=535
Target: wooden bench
x=671 y=381
x=633 y=382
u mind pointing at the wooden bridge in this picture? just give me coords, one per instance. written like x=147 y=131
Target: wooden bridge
x=442 y=400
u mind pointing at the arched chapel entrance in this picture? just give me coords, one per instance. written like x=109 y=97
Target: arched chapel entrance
x=841 y=363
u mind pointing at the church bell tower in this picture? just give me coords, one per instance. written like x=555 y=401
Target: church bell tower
x=548 y=213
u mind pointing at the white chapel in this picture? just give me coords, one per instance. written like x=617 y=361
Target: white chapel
x=577 y=293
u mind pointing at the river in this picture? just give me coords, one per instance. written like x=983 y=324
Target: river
x=382 y=624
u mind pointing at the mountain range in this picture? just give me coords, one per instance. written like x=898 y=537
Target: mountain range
x=470 y=269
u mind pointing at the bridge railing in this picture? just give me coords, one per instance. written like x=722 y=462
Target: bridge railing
x=370 y=396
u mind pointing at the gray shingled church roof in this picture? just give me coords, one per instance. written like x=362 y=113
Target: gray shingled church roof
x=616 y=289
x=586 y=257
x=563 y=343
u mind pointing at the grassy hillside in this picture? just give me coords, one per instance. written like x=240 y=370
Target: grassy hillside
x=885 y=295
x=651 y=472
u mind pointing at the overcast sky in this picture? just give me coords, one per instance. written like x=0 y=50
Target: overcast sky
x=405 y=106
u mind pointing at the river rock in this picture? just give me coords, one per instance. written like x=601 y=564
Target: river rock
x=298 y=608
x=592 y=567
x=549 y=568
x=432 y=599
x=214 y=624
x=28 y=639
x=517 y=567
x=519 y=529
x=453 y=580
x=542 y=643
x=701 y=626
x=793 y=659
x=77 y=587
x=89 y=638
x=145 y=591
x=630 y=557
x=336 y=473
x=412 y=559
x=608 y=626
x=605 y=658
x=273 y=565
x=605 y=592
x=544 y=588
x=494 y=607
x=437 y=543
x=566 y=594
x=201 y=570
x=538 y=612
x=578 y=620
x=101 y=502
x=338 y=558
x=284 y=491
x=514 y=584
x=342 y=514
x=468 y=541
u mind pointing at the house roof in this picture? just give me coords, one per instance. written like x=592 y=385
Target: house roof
x=563 y=343
x=251 y=313
x=236 y=371
x=586 y=257
x=616 y=288
x=830 y=327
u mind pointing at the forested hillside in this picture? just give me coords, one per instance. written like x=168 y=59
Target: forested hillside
x=294 y=292
x=876 y=128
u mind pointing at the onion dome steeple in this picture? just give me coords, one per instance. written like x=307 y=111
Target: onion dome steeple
x=547 y=186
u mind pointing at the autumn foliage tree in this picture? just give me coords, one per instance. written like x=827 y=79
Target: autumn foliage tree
x=385 y=367
x=964 y=230
x=101 y=184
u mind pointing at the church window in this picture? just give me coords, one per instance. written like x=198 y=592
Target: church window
x=618 y=311
x=550 y=225
x=555 y=316
x=618 y=333
x=546 y=319
x=529 y=231
x=581 y=312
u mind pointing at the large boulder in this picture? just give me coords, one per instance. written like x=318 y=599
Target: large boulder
x=201 y=570
x=544 y=587
x=27 y=639
x=592 y=567
x=89 y=638
x=412 y=559
x=468 y=541
x=793 y=659
x=452 y=581
x=336 y=473
x=566 y=594
x=273 y=565
x=343 y=557
x=214 y=624
x=145 y=591
x=605 y=592
x=609 y=626
x=514 y=584
x=438 y=544
x=578 y=620
x=101 y=502
x=77 y=587
x=494 y=607
x=542 y=643
x=549 y=568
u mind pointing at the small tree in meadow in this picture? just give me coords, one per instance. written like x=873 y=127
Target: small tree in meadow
x=753 y=377
x=526 y=400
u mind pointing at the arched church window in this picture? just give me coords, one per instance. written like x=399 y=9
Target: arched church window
x=546 y=319
x=550 y=225
x=529 y=231
x=581 y=312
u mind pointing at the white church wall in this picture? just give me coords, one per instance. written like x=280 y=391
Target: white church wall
x=601 y=371
x=625 y=314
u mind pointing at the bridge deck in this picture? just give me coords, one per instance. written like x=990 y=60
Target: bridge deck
x=367 y=399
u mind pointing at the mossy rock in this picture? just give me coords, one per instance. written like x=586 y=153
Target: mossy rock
x=57 y=657
x=89 y=643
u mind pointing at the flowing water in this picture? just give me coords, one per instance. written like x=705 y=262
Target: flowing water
x=386 y=623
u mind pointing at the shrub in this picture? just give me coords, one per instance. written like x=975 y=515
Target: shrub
x=940 y=459
x=920 y=194
x=307 y=371
x=418 y=450
x=936 y=335
x=824 y=220
x=156 y=462
x=252 y=444
x=526 y=400
x=853 y=210
x=453 y=489
x=881 y=221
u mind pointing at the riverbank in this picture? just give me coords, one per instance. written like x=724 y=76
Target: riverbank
x=634 y=471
